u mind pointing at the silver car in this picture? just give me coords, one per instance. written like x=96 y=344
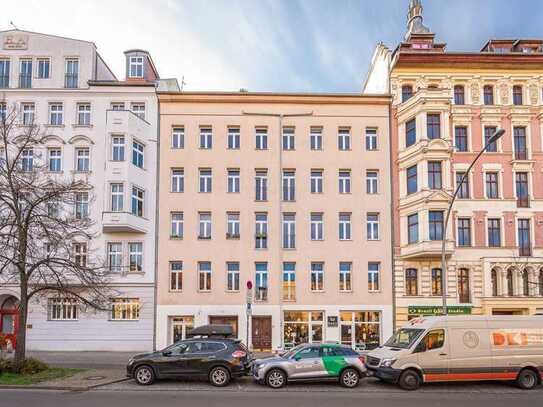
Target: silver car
x=311 y=362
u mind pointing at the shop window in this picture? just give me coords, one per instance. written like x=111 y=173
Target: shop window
x=360 y=329
x=302 y=327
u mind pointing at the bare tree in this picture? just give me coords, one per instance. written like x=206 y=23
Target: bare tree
x=45 y=229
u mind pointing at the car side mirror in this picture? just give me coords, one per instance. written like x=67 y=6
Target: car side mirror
x=167 y=353
x=297 y=358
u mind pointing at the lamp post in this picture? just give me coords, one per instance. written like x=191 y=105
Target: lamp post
x=497 y=134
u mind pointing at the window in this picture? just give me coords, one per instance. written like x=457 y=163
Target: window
x=413 y=228
x=411 y=282
x=289 y=185
x=434 y=339
x=463 y=286
x=139 y=110
x=115 y=256
x=433 y=126
x=373 y=276
x=27 y=159
x=488 y=95
x=204 y=225
x=204 y=276
x=83 y=114
x=4 y=73
x=521 y=187
x=464 y=232
x=345 y=182
x=2 y=108
x=459 y=95
x=510 y=284
x=206 y=138
x=137 y=201
x=489 y=132
x=289 y=281
x=176 y=229
x=492 y=185
x=410 y=132
x=519 y=139
x=524 y=240
x=232 y=276
x=54 y=157
x=289 y=231
x=344 y=226
x=525 y=282
x=345 y=280
x=80 y=254
x=261 y=281
x=71 y=74
x=494 y=232
x=178 y=137
x=62 y=309
x=371 y=139
x=434 y=175
x=205 y=184
x=135 y=69
x=125 y=309
x=44 y=68
x=137 y=154
x=25 y=74
x=288 y=138
x=436 y=281
x=117 y=106
x=412 y=182
x=344 y=139
x=28 y=114
x=372 y=182
x=407 y=92
x=233 y=227
x=176 y=275
x=261 y=185
x=135 y=257
x=317 y=226
x=315 y=138
x=56 y=114
x=82 y=159
x=117 y=197
x=517 y=95
x=233 y=181
x=435 y=219
x=81 y=205
x=463 y=192
x=372 y=226
x=461 y=138
x=317 y=276
x=117 y=148
x=261 y=230
x=316 y=181
x=261 y=139
x=233 y=138
x=177 y=180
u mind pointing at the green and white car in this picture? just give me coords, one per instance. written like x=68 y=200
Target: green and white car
x=311 y=362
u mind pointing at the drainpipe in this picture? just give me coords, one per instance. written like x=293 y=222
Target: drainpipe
x=157 y=214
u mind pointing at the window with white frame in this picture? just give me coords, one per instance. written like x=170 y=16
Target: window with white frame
x=317 y=226
x=345 y=276
x=261 y=230
x=80 y=254
x=261 y=281
x=317 y=276
x=344 y=181
x=261 y=138
x=82 y=159
x=289 y=281
x=27 y=159
x=136 y=67
x=117 y=197
x=233 y=225
x=117 y=106
x=233 y=181
x=139 y=110
x=204 y=221
x=345 y=226
x=56 y=113
x=117 y=148
x=372 y=182
x=316 y=181
x=83 y=114
x=81 y=205
x=176 y=275
x=137 y=153
x=372 y=223
x=62 y=309
x=71 y=75
x=204 y=276
x=344 y=139
x=288 y=138
x=44 y=68
x=261 y=185
x=206 y=138
x=135 y=257
x=125 y=309
x=315 y=138
x=178 y=137
x=54 y=158
x=233 y=138
x=289 y=185
x=373 y=276
x=3 y=108
x=115 y=256
x=176 y=229
x=28 y=113
x=289 y=231
x=138 y=197
x=178 y=180
x=205 y=184
x=232 y=276
x=371 y=139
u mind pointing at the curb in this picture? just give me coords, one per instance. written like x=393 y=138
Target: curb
x=57 y=388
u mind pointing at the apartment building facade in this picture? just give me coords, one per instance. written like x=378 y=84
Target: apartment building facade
x=101 y=132
x=287 y=192
x=445 y=107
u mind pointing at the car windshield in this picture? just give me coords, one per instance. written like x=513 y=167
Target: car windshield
x=404 y=338
x=293 y=351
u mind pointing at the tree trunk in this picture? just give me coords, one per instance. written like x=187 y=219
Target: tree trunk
x=20 y=347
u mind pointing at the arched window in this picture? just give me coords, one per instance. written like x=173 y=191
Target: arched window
x=407 y=92
x=517 y=95
x=540 y=282
x=463 y=286
x=459 y=95
x=436 y=281
x=488 y=95
x=494 y=282
x=411 y=282
x=509 y=276
x=525 y=283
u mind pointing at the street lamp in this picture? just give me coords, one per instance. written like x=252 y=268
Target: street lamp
x=497 y=134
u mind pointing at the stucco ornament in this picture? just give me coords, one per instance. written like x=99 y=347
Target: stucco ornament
x=504 y=93
x=421 y=84
x=534 y=91
x=475 y=93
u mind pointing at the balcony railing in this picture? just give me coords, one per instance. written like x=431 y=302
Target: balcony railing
x=70 y=80
x=525 y=251
x=521 y=155
x=232 y=235
x=523 y=202
x=25 y=81
x=4 y=81
x=261 y=293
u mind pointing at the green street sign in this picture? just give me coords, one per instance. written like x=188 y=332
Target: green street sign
x=437 y=310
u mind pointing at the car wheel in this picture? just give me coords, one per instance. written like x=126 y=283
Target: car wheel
x=219 y=376
x=409 y=380
x=527 y=379
x=349 y=378
x=276 y=378
x=144 y=375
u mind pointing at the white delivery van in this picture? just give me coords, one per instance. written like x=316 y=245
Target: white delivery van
x=462 y=348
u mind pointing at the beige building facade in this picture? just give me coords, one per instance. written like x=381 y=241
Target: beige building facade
x=287 y=192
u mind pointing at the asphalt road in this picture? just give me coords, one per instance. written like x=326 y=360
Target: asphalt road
x=24 y=398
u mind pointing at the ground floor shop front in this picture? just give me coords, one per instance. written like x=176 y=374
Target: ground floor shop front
x=274 y=327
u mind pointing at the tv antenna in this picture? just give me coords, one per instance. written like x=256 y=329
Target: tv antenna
x=13 y=25
x=183 y=83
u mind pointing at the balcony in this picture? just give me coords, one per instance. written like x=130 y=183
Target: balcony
x=426 y=249
x=521 y=154
x=123 y=222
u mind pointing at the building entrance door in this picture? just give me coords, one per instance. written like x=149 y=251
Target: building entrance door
x=262 y=333
x=9 y=321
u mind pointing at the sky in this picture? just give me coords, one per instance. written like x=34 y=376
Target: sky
x=268 y=45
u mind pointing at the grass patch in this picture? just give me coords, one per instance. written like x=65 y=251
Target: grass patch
x=48 y=374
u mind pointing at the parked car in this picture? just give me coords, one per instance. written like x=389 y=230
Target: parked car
x=217 y=358
x=462 y=348
x=311 y=362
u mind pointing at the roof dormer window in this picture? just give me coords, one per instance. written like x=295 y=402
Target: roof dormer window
x=135 y=69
